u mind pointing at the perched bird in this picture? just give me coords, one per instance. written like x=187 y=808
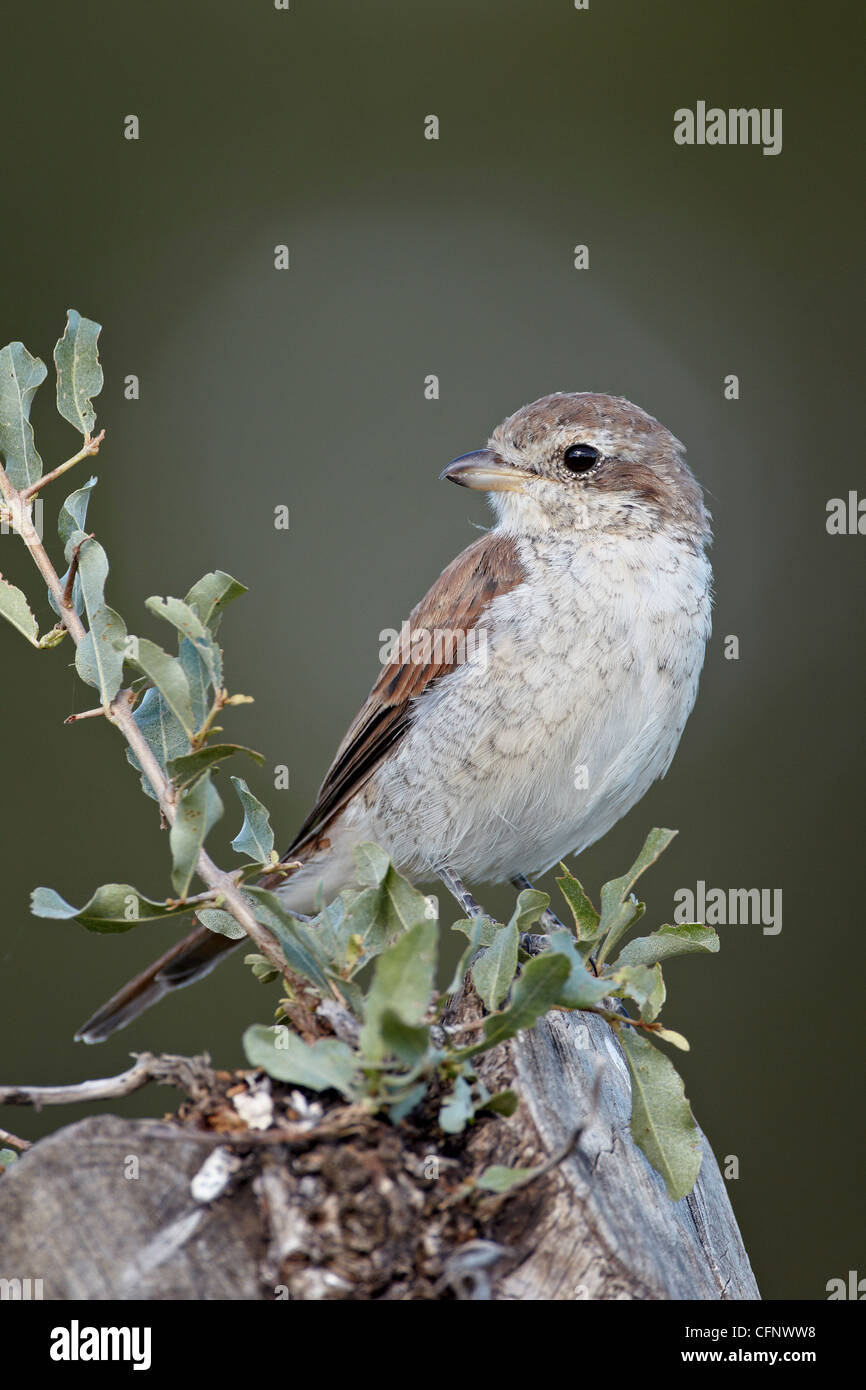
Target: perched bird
x=574 y=636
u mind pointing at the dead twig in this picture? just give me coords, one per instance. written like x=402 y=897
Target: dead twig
x=190 y=1074
x=7 y=1138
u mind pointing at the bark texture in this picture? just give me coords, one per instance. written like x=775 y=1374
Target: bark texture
x=325 y=1202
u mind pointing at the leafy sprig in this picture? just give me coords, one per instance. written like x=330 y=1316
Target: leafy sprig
x=404 y=1048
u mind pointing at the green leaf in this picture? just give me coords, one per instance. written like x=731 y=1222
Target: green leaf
x=476 y=927
x=371 y=864
x=328 y=1064
x=223 y=923
x=72 y=518
x=211 y=595
x=261 y=967
x=20 y=376
x=652 y=1008
x=73 y=513
x=497 y=1178
x=628 y=913
x=538 y=988
x=16 y=610
x=190 y=766
x=361 y=919
x=190 y=626
x=403 y=907
x=198 y=679
x=661 y=1120
x=300 y=948
x=79 y=375
x=413 y=1096
x=469 y=1096
x=668 y=941
x=180 y=615
x=458 y=1107
x=198 y=810
x=586 y=919
x=328 y=925
x=99 y=655
x=163 y=732
x=52 y=638
x=640 y=983
x=114 y=907
x=169 y=677
x=403 y=981
x=99 y=658
x=92 y=569
x=530 y=905
x=618 y=909
x=581 y=989
x=675 y=1039
x=481 y=930
x=404 y=1040
x=502 y=1103
x=255 y=837
x=8 y=1157
x=398 y=906
x=493 y=973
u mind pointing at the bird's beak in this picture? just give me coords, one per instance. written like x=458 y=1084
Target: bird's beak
x=484 y=472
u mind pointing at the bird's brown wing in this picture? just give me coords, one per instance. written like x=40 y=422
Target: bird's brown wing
x=487 y=568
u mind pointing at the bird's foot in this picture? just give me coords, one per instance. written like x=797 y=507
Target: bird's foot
x=457 y=888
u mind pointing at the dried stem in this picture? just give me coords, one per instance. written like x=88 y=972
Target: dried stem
x=191 y=1074
x=73 y=570
x=6 y=1137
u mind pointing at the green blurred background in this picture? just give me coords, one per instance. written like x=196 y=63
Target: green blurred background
x=305 y=387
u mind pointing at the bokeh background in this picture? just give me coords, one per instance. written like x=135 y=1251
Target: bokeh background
x=306 y=388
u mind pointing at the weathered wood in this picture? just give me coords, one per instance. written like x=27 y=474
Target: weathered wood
x=370 y=1218
x=70 y=1216
x=625 y=1237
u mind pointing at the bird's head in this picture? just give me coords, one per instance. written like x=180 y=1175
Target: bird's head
x=581 y=461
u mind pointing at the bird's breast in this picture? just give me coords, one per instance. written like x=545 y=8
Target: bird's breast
x=572 y=703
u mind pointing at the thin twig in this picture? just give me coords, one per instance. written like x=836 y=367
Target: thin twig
x=7 y=1138
x=85 y=714
x=73 y=570
x=109 y=1088
x=190 y=1074
x=128 y=695
x=91 y=446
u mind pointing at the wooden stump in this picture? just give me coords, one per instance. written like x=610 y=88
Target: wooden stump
x=369 y=1211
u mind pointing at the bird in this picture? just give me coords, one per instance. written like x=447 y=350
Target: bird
x=536 y=691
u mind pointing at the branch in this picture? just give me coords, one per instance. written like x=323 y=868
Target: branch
x=119 y=713
x=6 y=1137
x=190 y=1074
x=91 y=446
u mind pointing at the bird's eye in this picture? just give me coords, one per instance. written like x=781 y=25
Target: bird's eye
x=580 y=458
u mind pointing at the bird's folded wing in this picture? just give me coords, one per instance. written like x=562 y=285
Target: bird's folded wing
x=455 y=603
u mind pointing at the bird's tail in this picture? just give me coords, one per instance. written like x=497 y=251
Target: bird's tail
x=198 y=953
x=185 y=963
